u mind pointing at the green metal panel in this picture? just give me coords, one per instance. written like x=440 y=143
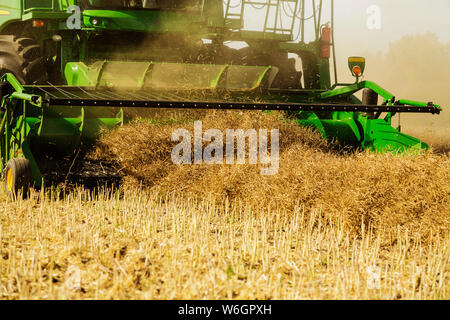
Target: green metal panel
x=142 y=20
x=10 y=11
x=38 y=4
x=350 y=89
x=167 y=75
x=353 y=129
x=380 y=136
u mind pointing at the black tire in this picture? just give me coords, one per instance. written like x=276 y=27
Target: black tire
x=18 y=177
x=369 y=97
x=22 y=57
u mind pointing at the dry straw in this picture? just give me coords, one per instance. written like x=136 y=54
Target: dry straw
x=330 y=225
x=385 y=190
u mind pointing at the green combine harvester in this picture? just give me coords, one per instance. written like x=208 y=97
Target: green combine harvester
x=72 y=67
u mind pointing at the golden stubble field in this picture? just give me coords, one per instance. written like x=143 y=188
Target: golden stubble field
x=330 y=225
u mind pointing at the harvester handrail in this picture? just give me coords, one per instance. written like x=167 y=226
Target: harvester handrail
x=355 y=87
x=13 y=81
x=35 y=100
x=389 y=98
x=18 y=89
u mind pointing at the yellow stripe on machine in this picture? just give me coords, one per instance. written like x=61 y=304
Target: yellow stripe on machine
x=356 y=59
x=4 y=13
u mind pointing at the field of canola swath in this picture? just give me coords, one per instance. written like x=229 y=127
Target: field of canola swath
x=330 y=225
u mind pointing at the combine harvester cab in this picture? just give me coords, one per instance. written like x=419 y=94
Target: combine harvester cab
x=70 y=69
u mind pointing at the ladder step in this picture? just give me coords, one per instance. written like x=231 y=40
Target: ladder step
x=260 y=3
x=276 y=29
x=267 y=4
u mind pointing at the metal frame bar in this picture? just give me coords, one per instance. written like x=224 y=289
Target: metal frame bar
x=242 y=106
x=333 y=43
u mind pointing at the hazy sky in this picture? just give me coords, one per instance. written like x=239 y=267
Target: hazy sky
x=398 y=18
